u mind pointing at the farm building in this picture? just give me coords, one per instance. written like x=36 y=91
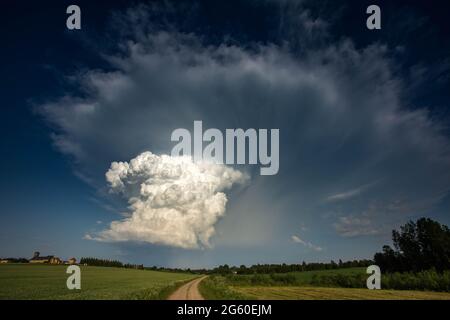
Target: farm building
x=37 y=258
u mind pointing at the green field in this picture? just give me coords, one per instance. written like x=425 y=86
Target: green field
x=314 y=293
x=303 y=286
x=49 y=282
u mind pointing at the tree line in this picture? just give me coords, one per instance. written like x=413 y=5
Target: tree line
x=418 y=246
x=108 y=263
x=285 y=268
x=16 y=260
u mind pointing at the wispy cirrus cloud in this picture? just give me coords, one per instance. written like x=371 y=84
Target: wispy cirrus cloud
x=350 y=193
x=351 y=226
x=307 y=244
x=345 y=195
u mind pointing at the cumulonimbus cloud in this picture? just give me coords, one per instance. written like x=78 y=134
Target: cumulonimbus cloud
x=172 y=200
x=340 y=108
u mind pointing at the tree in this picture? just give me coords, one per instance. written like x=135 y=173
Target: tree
x=420 y=245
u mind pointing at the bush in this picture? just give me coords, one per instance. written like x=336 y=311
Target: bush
x=339 y=280
x=217 y=288
x=425 y=280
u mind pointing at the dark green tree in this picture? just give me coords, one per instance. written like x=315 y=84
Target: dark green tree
x=420 y=245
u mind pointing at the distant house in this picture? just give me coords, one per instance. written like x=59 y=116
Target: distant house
x=55 y=260
x=4 y=261
x=37 y=258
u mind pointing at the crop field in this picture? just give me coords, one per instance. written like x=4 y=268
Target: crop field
x=49 y=282
x=307 y=285
x=315 y=293
x=304 y=278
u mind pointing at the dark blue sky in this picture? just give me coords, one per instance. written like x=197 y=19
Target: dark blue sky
x=46 y=206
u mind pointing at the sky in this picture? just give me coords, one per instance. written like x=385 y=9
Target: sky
x=87 y=116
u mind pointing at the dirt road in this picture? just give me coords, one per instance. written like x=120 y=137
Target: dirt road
x=188 y=291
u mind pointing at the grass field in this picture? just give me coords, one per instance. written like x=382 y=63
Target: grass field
x=313 y=293
x=49 y=282
x=303 y=286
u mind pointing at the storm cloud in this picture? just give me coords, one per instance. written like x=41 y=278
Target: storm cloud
x=173 y=200
x=342 y=125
